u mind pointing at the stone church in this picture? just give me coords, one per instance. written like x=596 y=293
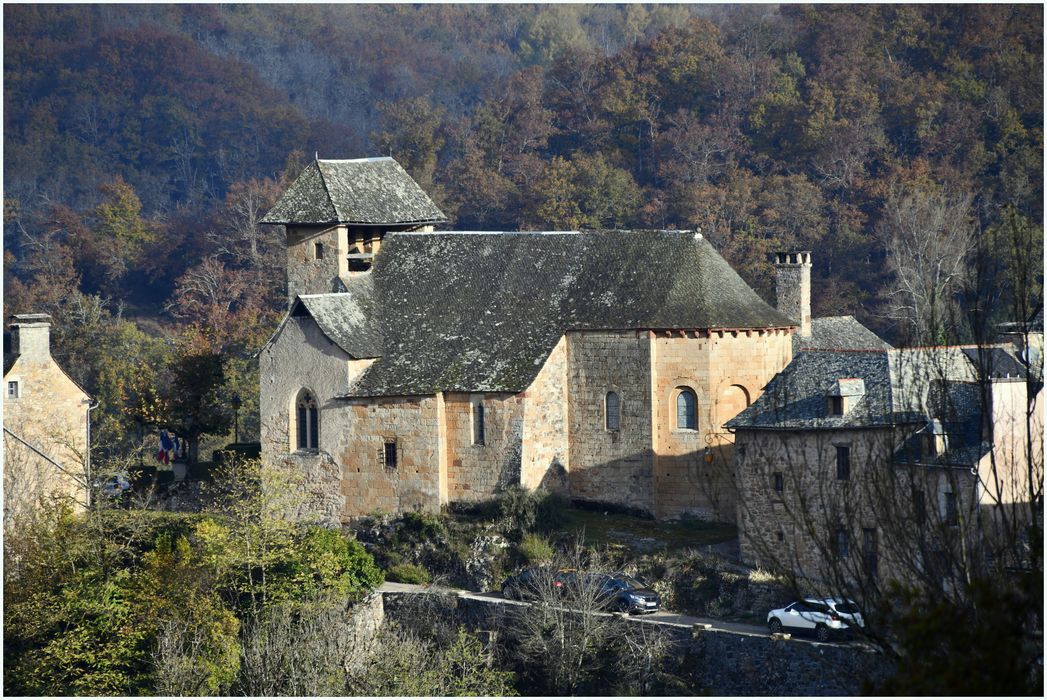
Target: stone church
x=418 y=367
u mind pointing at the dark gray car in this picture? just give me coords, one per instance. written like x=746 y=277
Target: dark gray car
x=626 y=594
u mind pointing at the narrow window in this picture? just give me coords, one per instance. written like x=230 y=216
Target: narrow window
x=842 y=546
x=12 y=390
x=478 y=422
x=919 y=507
x=686 y=410
x=835 y=405
x=843 y=462
x=779 y=482
x=952 y=515
x=389 y=454
x=308 y=424
x=869 y=547
x=318 y=251
x=781 y=536
x=612 y=411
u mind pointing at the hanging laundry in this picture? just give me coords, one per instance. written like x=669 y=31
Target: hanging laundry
x=167 y=446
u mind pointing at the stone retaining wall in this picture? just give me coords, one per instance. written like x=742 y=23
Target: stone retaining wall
x=725 y=663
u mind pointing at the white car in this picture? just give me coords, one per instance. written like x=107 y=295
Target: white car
x=823 y=616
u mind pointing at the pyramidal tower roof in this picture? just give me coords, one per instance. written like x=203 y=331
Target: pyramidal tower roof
x=367 y=191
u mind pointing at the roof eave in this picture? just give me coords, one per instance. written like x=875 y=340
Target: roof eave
x=415 y=222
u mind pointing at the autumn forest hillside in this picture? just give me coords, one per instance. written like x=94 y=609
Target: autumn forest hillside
x=143 y=143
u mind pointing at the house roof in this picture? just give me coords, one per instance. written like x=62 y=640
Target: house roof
x=344 y=317
x=996 y=362
x=838 y=333
x=902 y=386
x=962 y=428
x=367 y=191
x=458 y=311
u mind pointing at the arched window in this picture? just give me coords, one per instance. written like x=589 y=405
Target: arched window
x=308 y=424
x=612 y=411
x=686 y=410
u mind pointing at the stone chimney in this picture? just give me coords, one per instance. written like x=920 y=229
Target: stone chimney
x=793 y=287
x=31 y=337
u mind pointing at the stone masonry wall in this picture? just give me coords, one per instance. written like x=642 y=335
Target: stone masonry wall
x=476 y=472
x=50 y=413
x=776 y=526
x=545 y=455
x=693 y=468
x=346 y=476
x=610 y=466
x=306 y=274
x=368 y=484
x=793 y=289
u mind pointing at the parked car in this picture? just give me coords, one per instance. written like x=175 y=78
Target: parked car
x=529 y=583
x=625 y=594
x=825 y=617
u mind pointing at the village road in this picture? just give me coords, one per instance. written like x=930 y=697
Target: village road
x=663 y=617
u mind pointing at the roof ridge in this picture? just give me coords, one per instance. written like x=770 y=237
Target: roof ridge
x=323 y=181
x=370 y=159
x=484 y=233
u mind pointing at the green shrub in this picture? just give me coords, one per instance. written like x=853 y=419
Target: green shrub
x=535 y=549
x=423 y=527
x=408 y=573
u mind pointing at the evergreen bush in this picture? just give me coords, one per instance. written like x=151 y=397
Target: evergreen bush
x=408 y=573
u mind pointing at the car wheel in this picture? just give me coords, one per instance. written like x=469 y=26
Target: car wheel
x=622 y=606
x=507 y=592
x=776 y=625
x=822 y=633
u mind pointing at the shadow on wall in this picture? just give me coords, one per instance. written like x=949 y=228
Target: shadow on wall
x=555 y=479
x=699 y=483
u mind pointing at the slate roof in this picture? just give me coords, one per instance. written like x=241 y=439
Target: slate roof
x=344 y=317
x=838 y=333
x=364 y=191
x=458 y=311
x=962 y=428
x=1033 y=325
x=901 y=387
x=796 y=397
x=996 y=362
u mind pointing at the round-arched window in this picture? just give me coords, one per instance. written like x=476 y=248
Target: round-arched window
x=686 y=410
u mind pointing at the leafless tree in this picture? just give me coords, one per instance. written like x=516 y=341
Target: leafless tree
x=929 y=236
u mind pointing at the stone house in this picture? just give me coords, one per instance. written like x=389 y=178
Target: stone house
x=417 y=368
x=877 y=462
x=45 y=423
